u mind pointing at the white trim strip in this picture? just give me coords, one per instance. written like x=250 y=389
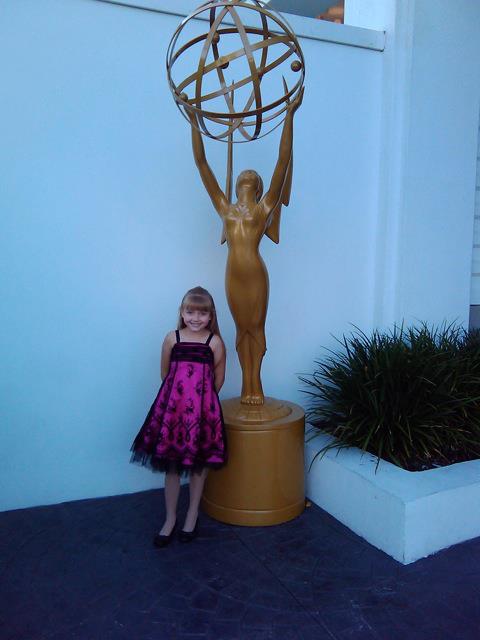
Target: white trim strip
x=303 y=27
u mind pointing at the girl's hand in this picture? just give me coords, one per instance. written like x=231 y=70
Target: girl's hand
x=167 y=347
x=219 y=360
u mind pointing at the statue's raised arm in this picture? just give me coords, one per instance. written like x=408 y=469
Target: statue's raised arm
x=273 y=197
x=209 y=180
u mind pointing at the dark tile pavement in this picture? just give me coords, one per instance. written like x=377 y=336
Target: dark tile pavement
x=87 y=570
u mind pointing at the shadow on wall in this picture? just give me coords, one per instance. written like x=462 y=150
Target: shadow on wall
x=474 y=321
x=309 y=8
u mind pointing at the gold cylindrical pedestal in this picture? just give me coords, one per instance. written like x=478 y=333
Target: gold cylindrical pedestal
x=263 y=482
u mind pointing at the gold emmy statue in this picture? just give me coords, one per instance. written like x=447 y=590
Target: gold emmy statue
x=263 y=482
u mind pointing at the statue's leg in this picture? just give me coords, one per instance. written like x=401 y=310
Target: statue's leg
x=244 y=356
x=257 y=350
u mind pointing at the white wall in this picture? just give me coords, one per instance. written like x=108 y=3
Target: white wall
x=373 y=14
x=475 y=282
x=427 y=187
x=105 y=224
x=440 y=162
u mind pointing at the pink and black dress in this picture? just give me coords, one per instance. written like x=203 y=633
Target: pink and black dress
x=184 y=429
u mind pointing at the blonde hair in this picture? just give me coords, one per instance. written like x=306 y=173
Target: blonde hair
x=199 y=298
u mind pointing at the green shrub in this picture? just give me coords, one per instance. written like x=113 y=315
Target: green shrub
x=410 y=396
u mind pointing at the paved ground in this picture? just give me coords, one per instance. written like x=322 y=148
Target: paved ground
x=87 y=570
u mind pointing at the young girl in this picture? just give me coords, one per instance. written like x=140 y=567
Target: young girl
x=184 y=430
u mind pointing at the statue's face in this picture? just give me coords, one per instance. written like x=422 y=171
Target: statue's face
x=250 y=180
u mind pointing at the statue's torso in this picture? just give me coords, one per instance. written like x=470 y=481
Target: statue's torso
x=244 y=228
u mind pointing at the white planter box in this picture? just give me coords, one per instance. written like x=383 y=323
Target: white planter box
x=409 y=515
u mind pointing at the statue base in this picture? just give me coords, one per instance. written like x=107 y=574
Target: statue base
x=263 y=481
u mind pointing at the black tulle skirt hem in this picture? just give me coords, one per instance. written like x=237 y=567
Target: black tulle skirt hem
x=154 y=463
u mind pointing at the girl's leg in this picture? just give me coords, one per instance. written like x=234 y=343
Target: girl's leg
x=172 y=490
x=197 y=482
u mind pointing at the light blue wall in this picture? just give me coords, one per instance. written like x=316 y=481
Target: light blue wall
x=105 y=224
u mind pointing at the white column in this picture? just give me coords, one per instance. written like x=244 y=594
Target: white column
x=397 y=63
x=431 y=95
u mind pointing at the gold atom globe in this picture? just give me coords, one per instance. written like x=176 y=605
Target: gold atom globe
x=227 y=62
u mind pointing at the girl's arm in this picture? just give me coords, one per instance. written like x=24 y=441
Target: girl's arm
x=166 y=351
x=209 y=180
x=219 y=360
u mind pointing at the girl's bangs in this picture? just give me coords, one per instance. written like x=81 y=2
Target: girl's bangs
x=197 y=302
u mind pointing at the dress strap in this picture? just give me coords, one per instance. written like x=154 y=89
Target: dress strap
x=177 y=333
x=209 y=338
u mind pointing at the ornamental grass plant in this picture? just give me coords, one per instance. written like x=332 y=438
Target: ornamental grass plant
x=410 y=396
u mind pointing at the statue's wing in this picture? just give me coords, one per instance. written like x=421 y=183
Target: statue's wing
x=228 y=186
x=273 y=228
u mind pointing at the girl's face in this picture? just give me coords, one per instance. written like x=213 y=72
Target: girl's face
x=196 y=319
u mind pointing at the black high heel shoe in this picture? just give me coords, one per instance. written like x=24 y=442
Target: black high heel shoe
x=160 y=540
x=188 y=536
